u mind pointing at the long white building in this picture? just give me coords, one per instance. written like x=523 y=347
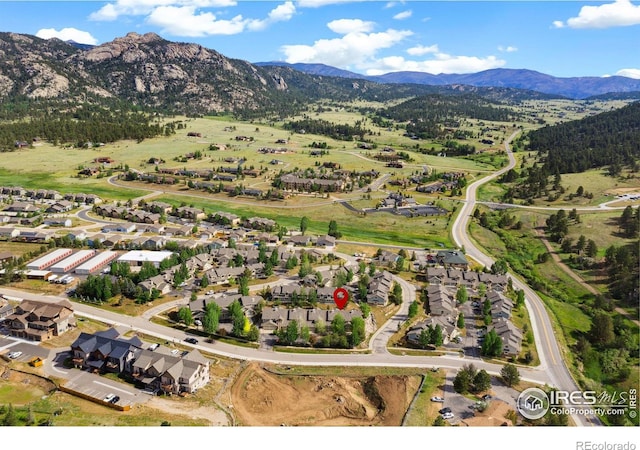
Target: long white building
x=49 y=259
x=96 y=263
x=67 y=264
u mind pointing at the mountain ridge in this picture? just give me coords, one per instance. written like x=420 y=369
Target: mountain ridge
x=572 y=87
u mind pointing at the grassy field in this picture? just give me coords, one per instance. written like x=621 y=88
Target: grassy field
x=424 y=411
x=14 y=172
x=18 y=248
x=383 y=228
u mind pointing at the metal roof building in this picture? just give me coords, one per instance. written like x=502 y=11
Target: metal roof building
x=72 y=261
x=49 y=259
x=96 y=263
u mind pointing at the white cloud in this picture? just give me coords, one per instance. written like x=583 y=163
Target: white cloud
x=620 y=13
x=184 y=17
x=183 y=21
x=630 y=73
x=420 y=50
x=443 y=63
x=346 y=26
x=403 y=15
x=280 y=13
x=67 y=34
x=111 y=11
x=356 y=48
x=507 y=49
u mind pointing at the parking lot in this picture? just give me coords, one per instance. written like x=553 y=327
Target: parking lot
x=29 y=351
x=462 y=407
x=98 y=388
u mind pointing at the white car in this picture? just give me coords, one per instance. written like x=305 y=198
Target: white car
x=15 y=355
x=109 y=397
x=447 y=416
x=437 y=399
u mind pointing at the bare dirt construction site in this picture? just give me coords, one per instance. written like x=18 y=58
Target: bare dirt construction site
x=261 y=397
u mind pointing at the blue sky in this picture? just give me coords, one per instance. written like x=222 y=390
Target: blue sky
x=571 y=38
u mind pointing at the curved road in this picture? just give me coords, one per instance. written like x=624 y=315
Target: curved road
x=548 y=349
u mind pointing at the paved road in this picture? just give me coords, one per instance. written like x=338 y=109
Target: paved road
x=548 y=349
x=376 y=359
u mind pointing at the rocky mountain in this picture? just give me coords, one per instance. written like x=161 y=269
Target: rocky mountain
x=151 y=72
x=574 y=87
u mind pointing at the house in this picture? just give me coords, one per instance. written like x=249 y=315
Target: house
x=9 y=232
x=79 y=235
x=379 y=288
x=299 y=240
x=60 y=207
x=326 y=241
x=158 y=283
x=6 y=309
x=187 y=212
x=452 y=258
x=58 y=222
x=510 y=334
x=501 y=306
x=5 y=258
x=41 y=321
x=112 y=241
x=441 y=300
x=386 y=258
x=22 y=207
x=446 y=324
x=223 y=218
x=104 y=351
x=119 y=228
x=160 y=369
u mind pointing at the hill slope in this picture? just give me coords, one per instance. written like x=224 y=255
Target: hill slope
x=606 y=139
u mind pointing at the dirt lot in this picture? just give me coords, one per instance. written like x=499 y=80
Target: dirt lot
x=266 y=399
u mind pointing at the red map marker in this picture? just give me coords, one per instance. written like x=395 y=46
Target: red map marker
x=341 y=297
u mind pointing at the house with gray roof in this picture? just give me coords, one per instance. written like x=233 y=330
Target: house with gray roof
x=379 y=288
x=452 y=258
x=510 y=334
x=441 y=300
x=501 y=306
x=168 y=371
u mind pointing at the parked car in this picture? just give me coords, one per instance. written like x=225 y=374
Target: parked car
x=437 y=399
x=15 y=355
x=486 y=397
x=447 y=416
x=445 y=410
x=109 y=397
x=114 y=400
x=191 y=340
x=152 y=347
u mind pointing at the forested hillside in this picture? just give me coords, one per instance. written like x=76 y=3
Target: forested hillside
x=426 y=114
x=607 y=139
x=80 y=126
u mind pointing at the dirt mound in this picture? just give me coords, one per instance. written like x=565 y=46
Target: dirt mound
x=264 y=398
